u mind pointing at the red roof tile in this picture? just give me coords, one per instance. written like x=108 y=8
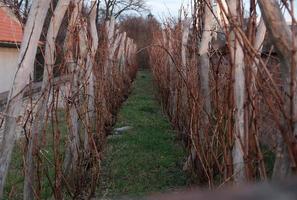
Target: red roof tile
x=10 y=29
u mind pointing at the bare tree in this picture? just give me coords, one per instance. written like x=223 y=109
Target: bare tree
x=114 y=8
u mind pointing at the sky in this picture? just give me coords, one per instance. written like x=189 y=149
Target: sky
x=164 y=8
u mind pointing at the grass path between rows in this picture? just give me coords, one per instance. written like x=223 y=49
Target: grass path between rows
x=147 y=158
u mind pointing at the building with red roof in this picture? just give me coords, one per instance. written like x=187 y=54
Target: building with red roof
x=11 y=35
x=10 y=28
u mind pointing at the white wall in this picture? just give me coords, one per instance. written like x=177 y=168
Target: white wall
x=8 y=65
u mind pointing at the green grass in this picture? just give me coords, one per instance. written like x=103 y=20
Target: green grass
x=147 y=158
x=15 y=178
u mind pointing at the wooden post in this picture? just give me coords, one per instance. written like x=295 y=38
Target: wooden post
x=237 y=58
x=38 y=123
x=282 y=38
x=26 y=60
